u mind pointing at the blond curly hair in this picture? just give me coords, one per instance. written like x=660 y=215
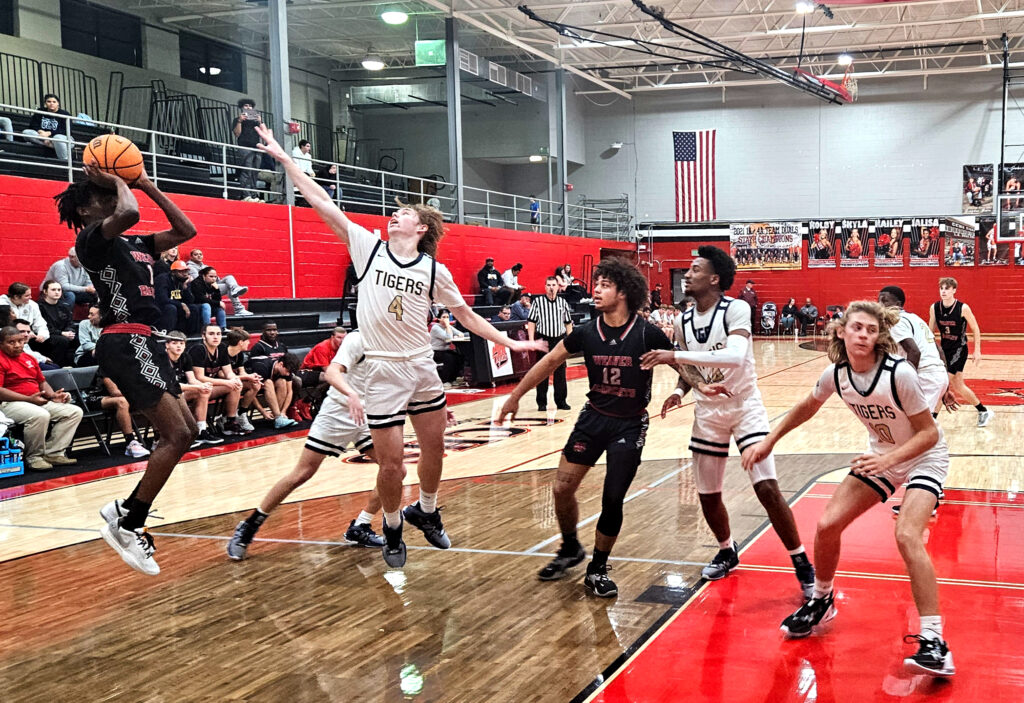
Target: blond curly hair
x=887 y=318
x=433 y=219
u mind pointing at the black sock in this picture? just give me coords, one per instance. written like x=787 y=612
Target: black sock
x=137 y=514
x=129 y=437
x=981 y=407
x=799 y=559
x=599 y=561
x=257 y=518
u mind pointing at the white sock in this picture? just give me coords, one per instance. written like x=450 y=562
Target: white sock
x=798 y=550
x=428 y=501
x=726 y=543
x=393 y=519
x=822 y=588
x=201 y=425
x=931 y=627
x=364 y=518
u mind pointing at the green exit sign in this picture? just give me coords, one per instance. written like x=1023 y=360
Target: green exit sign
x=430 y=52
x=543 y=151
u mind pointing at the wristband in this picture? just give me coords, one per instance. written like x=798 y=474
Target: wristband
x=679 y=355
x=678 y=392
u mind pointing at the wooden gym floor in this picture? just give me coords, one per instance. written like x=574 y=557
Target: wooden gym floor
x=309 y=618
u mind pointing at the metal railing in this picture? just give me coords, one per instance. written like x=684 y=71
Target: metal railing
x=197 y=166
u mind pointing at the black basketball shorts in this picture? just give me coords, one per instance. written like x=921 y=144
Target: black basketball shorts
x=138 y=366
x=595 y=434
x=956 y=358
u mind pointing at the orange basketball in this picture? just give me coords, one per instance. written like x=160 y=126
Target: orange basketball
x=115 y=155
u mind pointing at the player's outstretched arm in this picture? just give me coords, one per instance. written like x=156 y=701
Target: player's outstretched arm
x=732 y=355
x=316 y=196
x=801 y=413
x=126 y=214
x=181 y=229
x=482 y=328
x=541 y=370
x=336 y=375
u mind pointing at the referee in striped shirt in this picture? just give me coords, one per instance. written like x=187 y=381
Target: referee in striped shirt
x=551 y=320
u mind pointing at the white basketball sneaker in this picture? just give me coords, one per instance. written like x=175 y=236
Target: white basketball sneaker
x=135 y=547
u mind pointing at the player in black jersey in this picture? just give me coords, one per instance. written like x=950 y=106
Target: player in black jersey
x=102 y=210
x=613 y=420
x=950 y=319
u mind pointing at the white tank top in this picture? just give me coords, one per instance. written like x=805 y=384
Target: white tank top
x=710 y=330
x=395 y=296
x=350 y=355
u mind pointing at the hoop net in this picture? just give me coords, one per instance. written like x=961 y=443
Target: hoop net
x=850 y=83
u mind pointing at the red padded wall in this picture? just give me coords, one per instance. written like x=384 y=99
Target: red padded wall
x=995 y=293
x=251 y=241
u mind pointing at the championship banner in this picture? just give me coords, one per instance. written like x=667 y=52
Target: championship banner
x=821 y=244
x=1013 y=182
x=766 y=245
x=961 y=242
x=924 y=241
x=853 y=237
x=978 y=189
x=889 y=236
x=990 y=252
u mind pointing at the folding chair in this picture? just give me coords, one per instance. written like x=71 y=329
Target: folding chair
x=64 y=378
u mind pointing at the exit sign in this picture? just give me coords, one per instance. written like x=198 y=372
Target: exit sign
x=430 y=52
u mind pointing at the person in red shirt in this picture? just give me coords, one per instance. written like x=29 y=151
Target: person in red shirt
x=311 y=373
x=27 y=398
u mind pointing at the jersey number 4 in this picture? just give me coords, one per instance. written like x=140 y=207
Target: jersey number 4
x=396 y=307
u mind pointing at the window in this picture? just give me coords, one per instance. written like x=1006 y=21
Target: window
x=101 y=32
x=7 y=17
x=211 y=62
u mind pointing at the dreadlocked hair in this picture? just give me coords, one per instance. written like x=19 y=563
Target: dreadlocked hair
x=887 y=318
x=433 y=219
x=77 y=195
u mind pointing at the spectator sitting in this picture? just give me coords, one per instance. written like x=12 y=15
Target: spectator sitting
x=164 y=262
x=210 y=364
x=27 y=398
x=228 y=286
x=196 y=394
x=442 y=336
x=50 y=130
x=7 y=134
x=244 y=129
x=521 y=310
x=302 y=159
x=62 y=343
x=45 y=362
x=510 y=282
x=311 y=372
x=326 y=177
x=237 y=341
x=89 y=331
x=73 y=279
x=789 y=315
x=489 y=280
x=504 y=315
x=276 y=373
x=106 y=396
x=205 y=292
x=19 y=297
x=809 y=312
x=568 y=288
x=656 y=295
x=174 y=296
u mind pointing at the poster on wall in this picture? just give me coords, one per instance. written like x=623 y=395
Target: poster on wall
x=889 y=236
x=766 y=245
x=500 y=358
x=924 y=241
x=853 y=238
x=821 y=244
x=978 y=188
x=960 y=240
x=1012 y=181
x=991 y=252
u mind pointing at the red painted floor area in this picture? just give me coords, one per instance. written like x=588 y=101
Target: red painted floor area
x=726 y=646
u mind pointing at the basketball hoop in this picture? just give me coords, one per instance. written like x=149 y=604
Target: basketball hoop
x=850 y=83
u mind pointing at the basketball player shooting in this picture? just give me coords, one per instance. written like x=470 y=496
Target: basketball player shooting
x=398 y=281
x=102 y=210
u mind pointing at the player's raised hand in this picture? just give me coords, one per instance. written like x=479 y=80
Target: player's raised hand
x=752 y=455
x=100 y=178
x=673 y=401
x=269 y=144
x=653 y=358
x=508 y=410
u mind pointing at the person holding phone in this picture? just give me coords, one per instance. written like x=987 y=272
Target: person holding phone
x=244 y=129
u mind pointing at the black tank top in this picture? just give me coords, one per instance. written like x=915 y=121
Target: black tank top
x=951 y=323
x=121 y=270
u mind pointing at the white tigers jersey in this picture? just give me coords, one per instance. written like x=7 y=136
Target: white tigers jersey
x=913 y=327
x=395 y=296
x=350 y=355
x=710 y=330
x=882 y=399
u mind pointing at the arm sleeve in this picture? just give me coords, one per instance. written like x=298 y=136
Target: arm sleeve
x=360 y=244
x=732 y=355
x=445 y=290
x=908 y=387
x=574 y=341
x=826 y=384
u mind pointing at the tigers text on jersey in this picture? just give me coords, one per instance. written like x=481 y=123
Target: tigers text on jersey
x=709 y=330
x=350 y=355
x=395 y=296
x=913 y=327
x=891 y=393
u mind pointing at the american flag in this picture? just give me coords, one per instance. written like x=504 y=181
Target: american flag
x=695 y=175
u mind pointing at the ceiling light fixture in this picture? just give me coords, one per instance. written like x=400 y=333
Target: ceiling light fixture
x=373 y=62
x=536 y=158
x=844 y=59
x=212 y=70
x=394 y=17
